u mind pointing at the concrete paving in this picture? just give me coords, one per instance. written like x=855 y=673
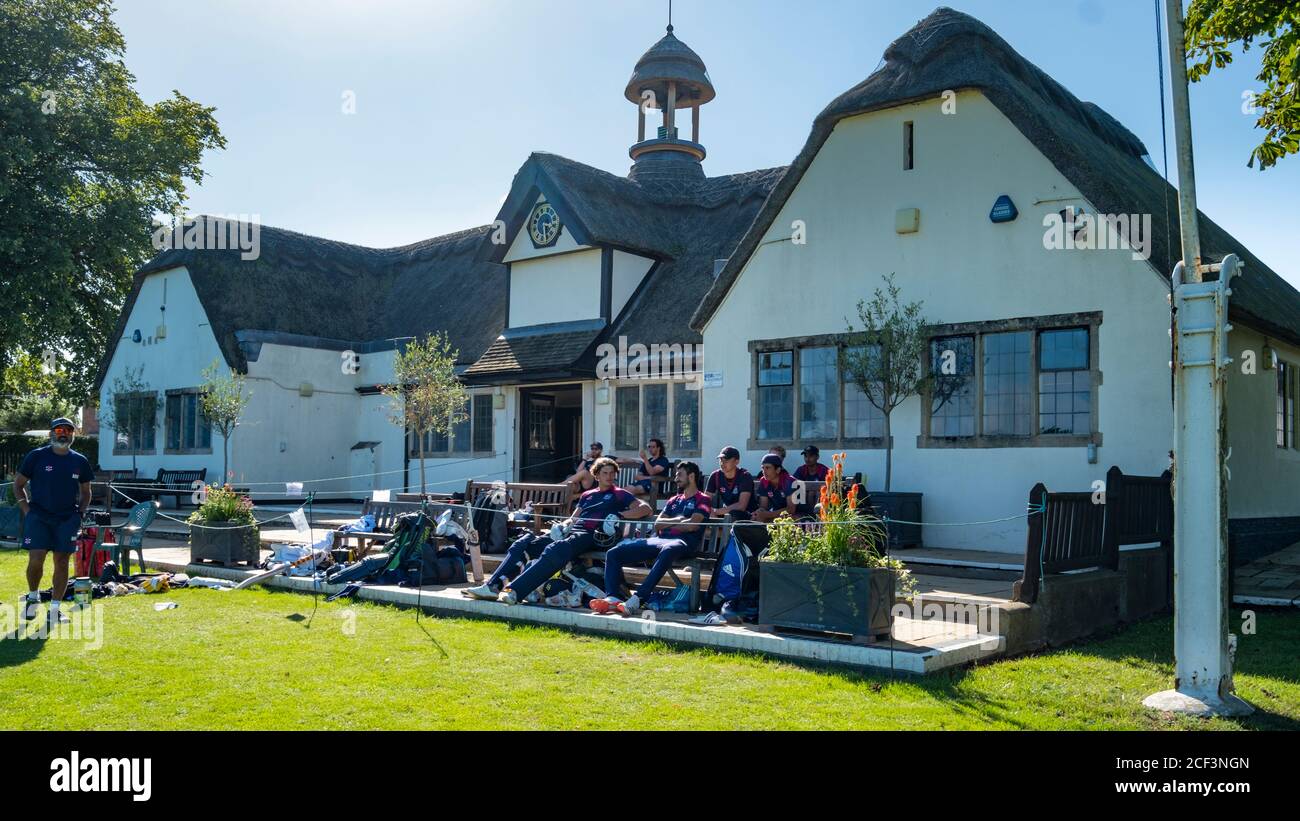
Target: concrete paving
x=921 y=644
x=1272 y=580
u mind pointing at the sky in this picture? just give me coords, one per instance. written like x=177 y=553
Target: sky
x=449 y=97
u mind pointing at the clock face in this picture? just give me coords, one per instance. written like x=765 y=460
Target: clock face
x=544 y=225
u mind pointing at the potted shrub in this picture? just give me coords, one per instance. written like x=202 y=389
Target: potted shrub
x=223 y=528
x=832 y=575
x=887 y=363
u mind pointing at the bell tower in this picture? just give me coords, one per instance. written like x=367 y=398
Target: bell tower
x=669 y=80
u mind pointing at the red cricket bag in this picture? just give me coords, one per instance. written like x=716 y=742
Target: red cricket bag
x=89 y=561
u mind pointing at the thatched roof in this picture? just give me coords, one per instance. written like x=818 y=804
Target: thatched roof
x=314 y=292
x=951 y=50
x=315 y=288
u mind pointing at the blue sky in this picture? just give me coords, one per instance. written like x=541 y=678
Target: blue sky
x=452 y=95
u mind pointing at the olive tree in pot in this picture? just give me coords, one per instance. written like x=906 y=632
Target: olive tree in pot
x=427 y=397
x=832 y=575
x=223 y=400
x=223 y=528
x=887 y=364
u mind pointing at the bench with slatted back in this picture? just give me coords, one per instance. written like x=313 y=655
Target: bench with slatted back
x=174 y=483
x=547 y=500
x=661 y=490
x=385 y=514
x=712 y=544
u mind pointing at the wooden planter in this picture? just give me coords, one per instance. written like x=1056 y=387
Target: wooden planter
x=904 y=506
x=854 y=600
x=228 y=545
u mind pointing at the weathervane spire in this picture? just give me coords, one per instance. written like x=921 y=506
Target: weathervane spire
x=670 y=16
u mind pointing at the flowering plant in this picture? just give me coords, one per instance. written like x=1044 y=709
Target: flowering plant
x=223 y=504
x=842 y=536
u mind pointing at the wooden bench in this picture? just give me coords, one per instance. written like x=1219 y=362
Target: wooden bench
x=1072 y=531
x=712 y=543
x=547 y=500
x=661 y=489
x=174 y=483
x=385 y=514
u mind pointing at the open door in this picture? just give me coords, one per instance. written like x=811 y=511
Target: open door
x=538 y=430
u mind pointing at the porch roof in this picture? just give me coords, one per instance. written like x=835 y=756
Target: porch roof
x=553 y=350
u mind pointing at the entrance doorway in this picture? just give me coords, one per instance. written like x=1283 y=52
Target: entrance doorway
x=550 y=432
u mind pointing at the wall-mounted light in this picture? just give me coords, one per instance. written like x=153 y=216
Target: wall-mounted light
x=137 y=336
x=498 y=399
x=602 y=395
x=1268 y=358
x=1004 y=210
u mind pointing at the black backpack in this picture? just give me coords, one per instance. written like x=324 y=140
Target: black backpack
x=442 y=565
x=489 y=519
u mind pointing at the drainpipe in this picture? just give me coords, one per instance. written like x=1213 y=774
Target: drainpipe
x=1203 y=647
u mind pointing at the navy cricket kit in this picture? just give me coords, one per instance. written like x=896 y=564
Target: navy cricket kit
x=54 y=485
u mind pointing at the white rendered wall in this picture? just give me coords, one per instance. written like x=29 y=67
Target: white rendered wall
x=964 y=268
x=555 y=289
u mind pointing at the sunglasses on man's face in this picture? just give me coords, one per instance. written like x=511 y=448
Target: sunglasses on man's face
x=63 y=431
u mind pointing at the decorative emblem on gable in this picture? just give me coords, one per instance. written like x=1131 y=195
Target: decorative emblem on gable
x=544 y=225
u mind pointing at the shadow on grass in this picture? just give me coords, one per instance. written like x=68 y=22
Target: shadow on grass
x=21 y=645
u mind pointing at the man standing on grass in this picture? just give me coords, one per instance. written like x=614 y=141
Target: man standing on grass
x=53 y=490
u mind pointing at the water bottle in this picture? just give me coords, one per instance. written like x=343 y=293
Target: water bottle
x=81 y=591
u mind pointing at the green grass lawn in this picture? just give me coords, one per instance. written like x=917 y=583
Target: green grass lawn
x=261 y=659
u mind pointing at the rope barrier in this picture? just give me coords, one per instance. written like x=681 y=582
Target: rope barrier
x=1032 y=510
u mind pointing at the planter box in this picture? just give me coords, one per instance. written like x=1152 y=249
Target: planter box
x=10 y=522
x=230 y=545
x=853 y=600
x=905 y=506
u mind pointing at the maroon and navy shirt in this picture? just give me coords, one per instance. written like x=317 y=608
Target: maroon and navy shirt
x=817 y=473
x=726 y=492
x=776 y=492
x=595 y=504
x=681 y=505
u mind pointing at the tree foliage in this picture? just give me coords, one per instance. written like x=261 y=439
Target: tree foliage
x=427 y=397
x=887 y=363
x=1214 y=27
x=85 y=163
x=223 y=400
x=134 y=407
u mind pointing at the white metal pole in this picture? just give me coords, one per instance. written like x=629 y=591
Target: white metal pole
x=1202 y=656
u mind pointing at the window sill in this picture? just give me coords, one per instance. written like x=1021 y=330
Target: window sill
x=872 y=443
x=436 y=457
x=152 y=452
x=189 y=452
x=984 y=442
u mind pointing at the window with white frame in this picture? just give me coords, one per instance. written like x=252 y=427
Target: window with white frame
x=802 y=393
x=668 y=411
x=1034 y=382
x=188 y=430
x=470 y=436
